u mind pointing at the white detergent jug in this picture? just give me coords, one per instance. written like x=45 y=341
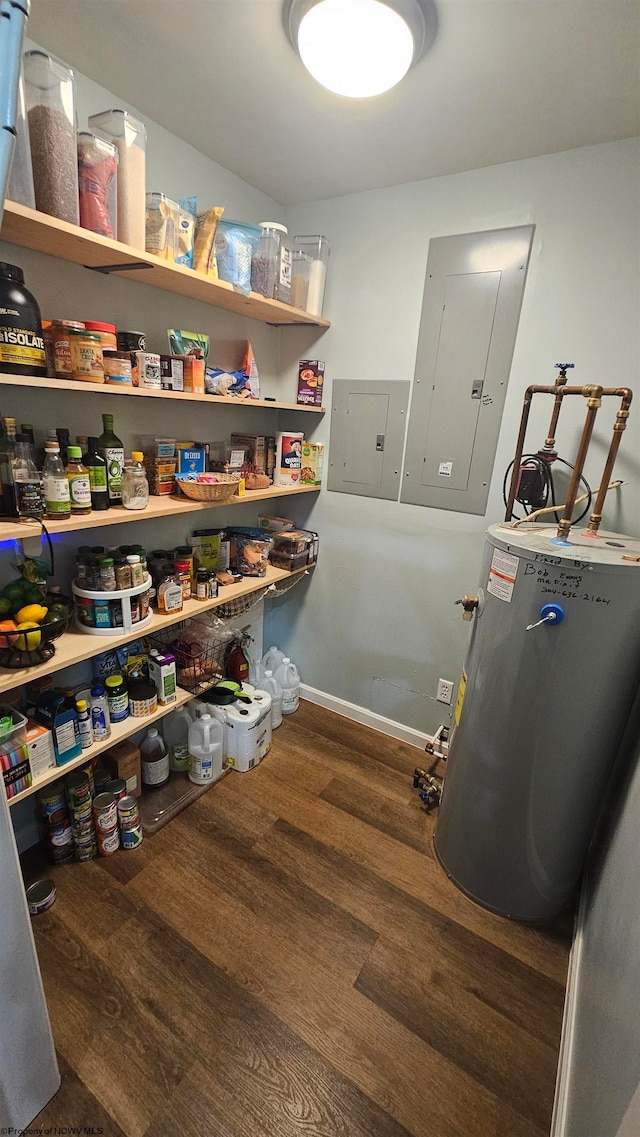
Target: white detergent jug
x=273 y=658
x=262 y=700
x=205 y=750
x=176 y=736
x=256 y=673
x=242 y=744
x=274 y=689
x=289 y=680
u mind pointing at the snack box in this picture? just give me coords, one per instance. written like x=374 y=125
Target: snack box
x=293 y=541
x=261 y=451
x=312 y=463
x=193 y=374
x=39 y=743
x=275 y=524
x=123 y=760
x=310 y=382
x=191 y=459
x=172 y=372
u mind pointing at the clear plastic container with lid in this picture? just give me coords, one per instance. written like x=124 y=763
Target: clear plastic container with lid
x=50 y=92
x=129 y=135
x=300 y=272
x=271 y=263
x=20 y=187
x=97 y=170
x=317 y=248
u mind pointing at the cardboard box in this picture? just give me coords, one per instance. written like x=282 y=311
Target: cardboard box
x=39 y=743
x=312 y=463
x=275 y=524
x=261 y=451
x=63 y=722
x=191 y=459
x=193 y=374
x=123 y=761
x=310 y=382
x=162 y=673
x=172 y=372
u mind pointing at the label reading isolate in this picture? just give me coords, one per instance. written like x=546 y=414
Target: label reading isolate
x=502 y=575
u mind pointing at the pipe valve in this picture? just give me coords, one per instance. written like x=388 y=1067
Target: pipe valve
x=469 y=605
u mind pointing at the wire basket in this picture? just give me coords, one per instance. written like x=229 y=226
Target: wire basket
x=222 y=490
x=34 y=646
x=199 y=655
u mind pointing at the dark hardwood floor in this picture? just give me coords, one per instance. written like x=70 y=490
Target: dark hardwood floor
x=287 y=959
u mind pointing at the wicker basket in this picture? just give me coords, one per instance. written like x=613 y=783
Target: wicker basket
x=222 y=490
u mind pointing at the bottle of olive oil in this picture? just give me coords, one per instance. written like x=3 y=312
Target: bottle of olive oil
x=112 y=450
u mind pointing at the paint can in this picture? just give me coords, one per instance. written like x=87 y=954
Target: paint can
x=108 y=842
x=131 y=838
x=288 y=465
x=40 y=896
x=105 y=812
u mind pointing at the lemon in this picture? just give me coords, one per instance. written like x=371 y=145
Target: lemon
x=30 y=640
x=31 y=613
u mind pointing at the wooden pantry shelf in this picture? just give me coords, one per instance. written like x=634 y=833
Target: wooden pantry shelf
x=165 y=506
x=75 y=646
x=119 y=731
x=103 y=389
x=31 y=229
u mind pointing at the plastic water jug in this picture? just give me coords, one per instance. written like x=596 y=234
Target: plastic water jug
x=272 y=686
x=205 y=750
x=256 y=673
x=289 y=680
x=176 y=736
x=273 y=658
x=262 y=700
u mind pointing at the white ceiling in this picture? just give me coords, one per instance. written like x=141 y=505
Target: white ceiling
x=504 y=79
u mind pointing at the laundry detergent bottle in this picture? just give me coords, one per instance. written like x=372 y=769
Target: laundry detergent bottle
x=288 y=678
x=271 y=685
x=205 y=750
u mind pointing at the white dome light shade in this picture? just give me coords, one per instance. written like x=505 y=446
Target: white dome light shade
x=356 y=48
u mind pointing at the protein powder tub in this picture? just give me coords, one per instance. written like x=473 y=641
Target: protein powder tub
x=21 y=340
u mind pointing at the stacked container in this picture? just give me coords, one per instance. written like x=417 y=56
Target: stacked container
x=55 y=824
x=271 y=263
x=317 y=248
x=97 y=171
x=79 y=786
x=50 y=92
x=105 y=812
x=130 y=138
x=129 y=821
x=20 y=187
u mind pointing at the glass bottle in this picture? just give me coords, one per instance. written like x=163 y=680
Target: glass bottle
x=26 y=480
x=97 y=468
x=78 y=478
x=135 y=487
x=7 y=455
x=62 y=434
x=112 y=450
x=55 y=483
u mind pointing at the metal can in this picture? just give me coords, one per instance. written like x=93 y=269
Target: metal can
x=117 y=787
x=86 y=849
x=105 y=812
x=117 y=698
x=53 y=803
x=115 y=608
x=78 y=790
x=128 y=812
x=131 y=838
x=58 y=843
x=108 y=842
x=101 y=780
x=40 y=896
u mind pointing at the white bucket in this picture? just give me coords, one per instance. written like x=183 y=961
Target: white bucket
x=288 y=458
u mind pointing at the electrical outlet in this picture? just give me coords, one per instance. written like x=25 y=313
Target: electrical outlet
x=445 y=691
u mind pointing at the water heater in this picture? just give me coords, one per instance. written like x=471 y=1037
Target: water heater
x=552 y=669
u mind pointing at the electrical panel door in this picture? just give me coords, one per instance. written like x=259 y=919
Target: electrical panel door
x=368 y=420
x=472 y=298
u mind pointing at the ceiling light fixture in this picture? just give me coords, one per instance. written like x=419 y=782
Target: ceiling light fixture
x=359 y=48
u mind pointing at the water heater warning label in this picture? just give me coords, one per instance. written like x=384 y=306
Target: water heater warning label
x=502 y=575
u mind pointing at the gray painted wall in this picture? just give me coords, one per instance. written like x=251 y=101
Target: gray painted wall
x=377 y=626
x=599 y=1085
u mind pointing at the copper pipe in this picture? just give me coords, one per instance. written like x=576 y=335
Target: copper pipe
x=619 y=426
x=561 y=382
x=593 y=395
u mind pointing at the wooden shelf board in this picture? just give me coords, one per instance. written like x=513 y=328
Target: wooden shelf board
x=142 y=392
x=119 y=731
x=75 y=646
x=33 y=230
x=166 y=506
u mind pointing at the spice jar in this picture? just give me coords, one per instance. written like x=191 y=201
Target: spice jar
x=123 y=572
x=60 y=330
x=137 y=571
x=202 y=584
x=117 y=366
x=183 y=572
x=107 y=575
x=86 y=356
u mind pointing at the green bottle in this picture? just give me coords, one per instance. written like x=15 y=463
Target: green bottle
x=112 y=450
x=97 y=467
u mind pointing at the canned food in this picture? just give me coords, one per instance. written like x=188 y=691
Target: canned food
x=131 y=838
x=81 y=820
x=84 y=828
x=78 y=790
x=105 y=812
x=53 y=803
x=59 y=843
x=41 y=896
x=108 y=843
x=86 y=852
x=101 y=779
x=117 y=787
x=128 y=812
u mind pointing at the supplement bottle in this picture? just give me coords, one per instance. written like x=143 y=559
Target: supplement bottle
x=100 y=719
x=21 y=341
x=84 y=724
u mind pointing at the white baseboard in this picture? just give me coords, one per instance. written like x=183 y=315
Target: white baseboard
x=365 y=717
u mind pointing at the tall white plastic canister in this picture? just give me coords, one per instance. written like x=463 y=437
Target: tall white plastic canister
x=288 y=465
x=272 y=686
x=241 y=746
x=176 y=736
x=289 y=680
x=273 y=658
x=262 y=700
x=205 y=750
